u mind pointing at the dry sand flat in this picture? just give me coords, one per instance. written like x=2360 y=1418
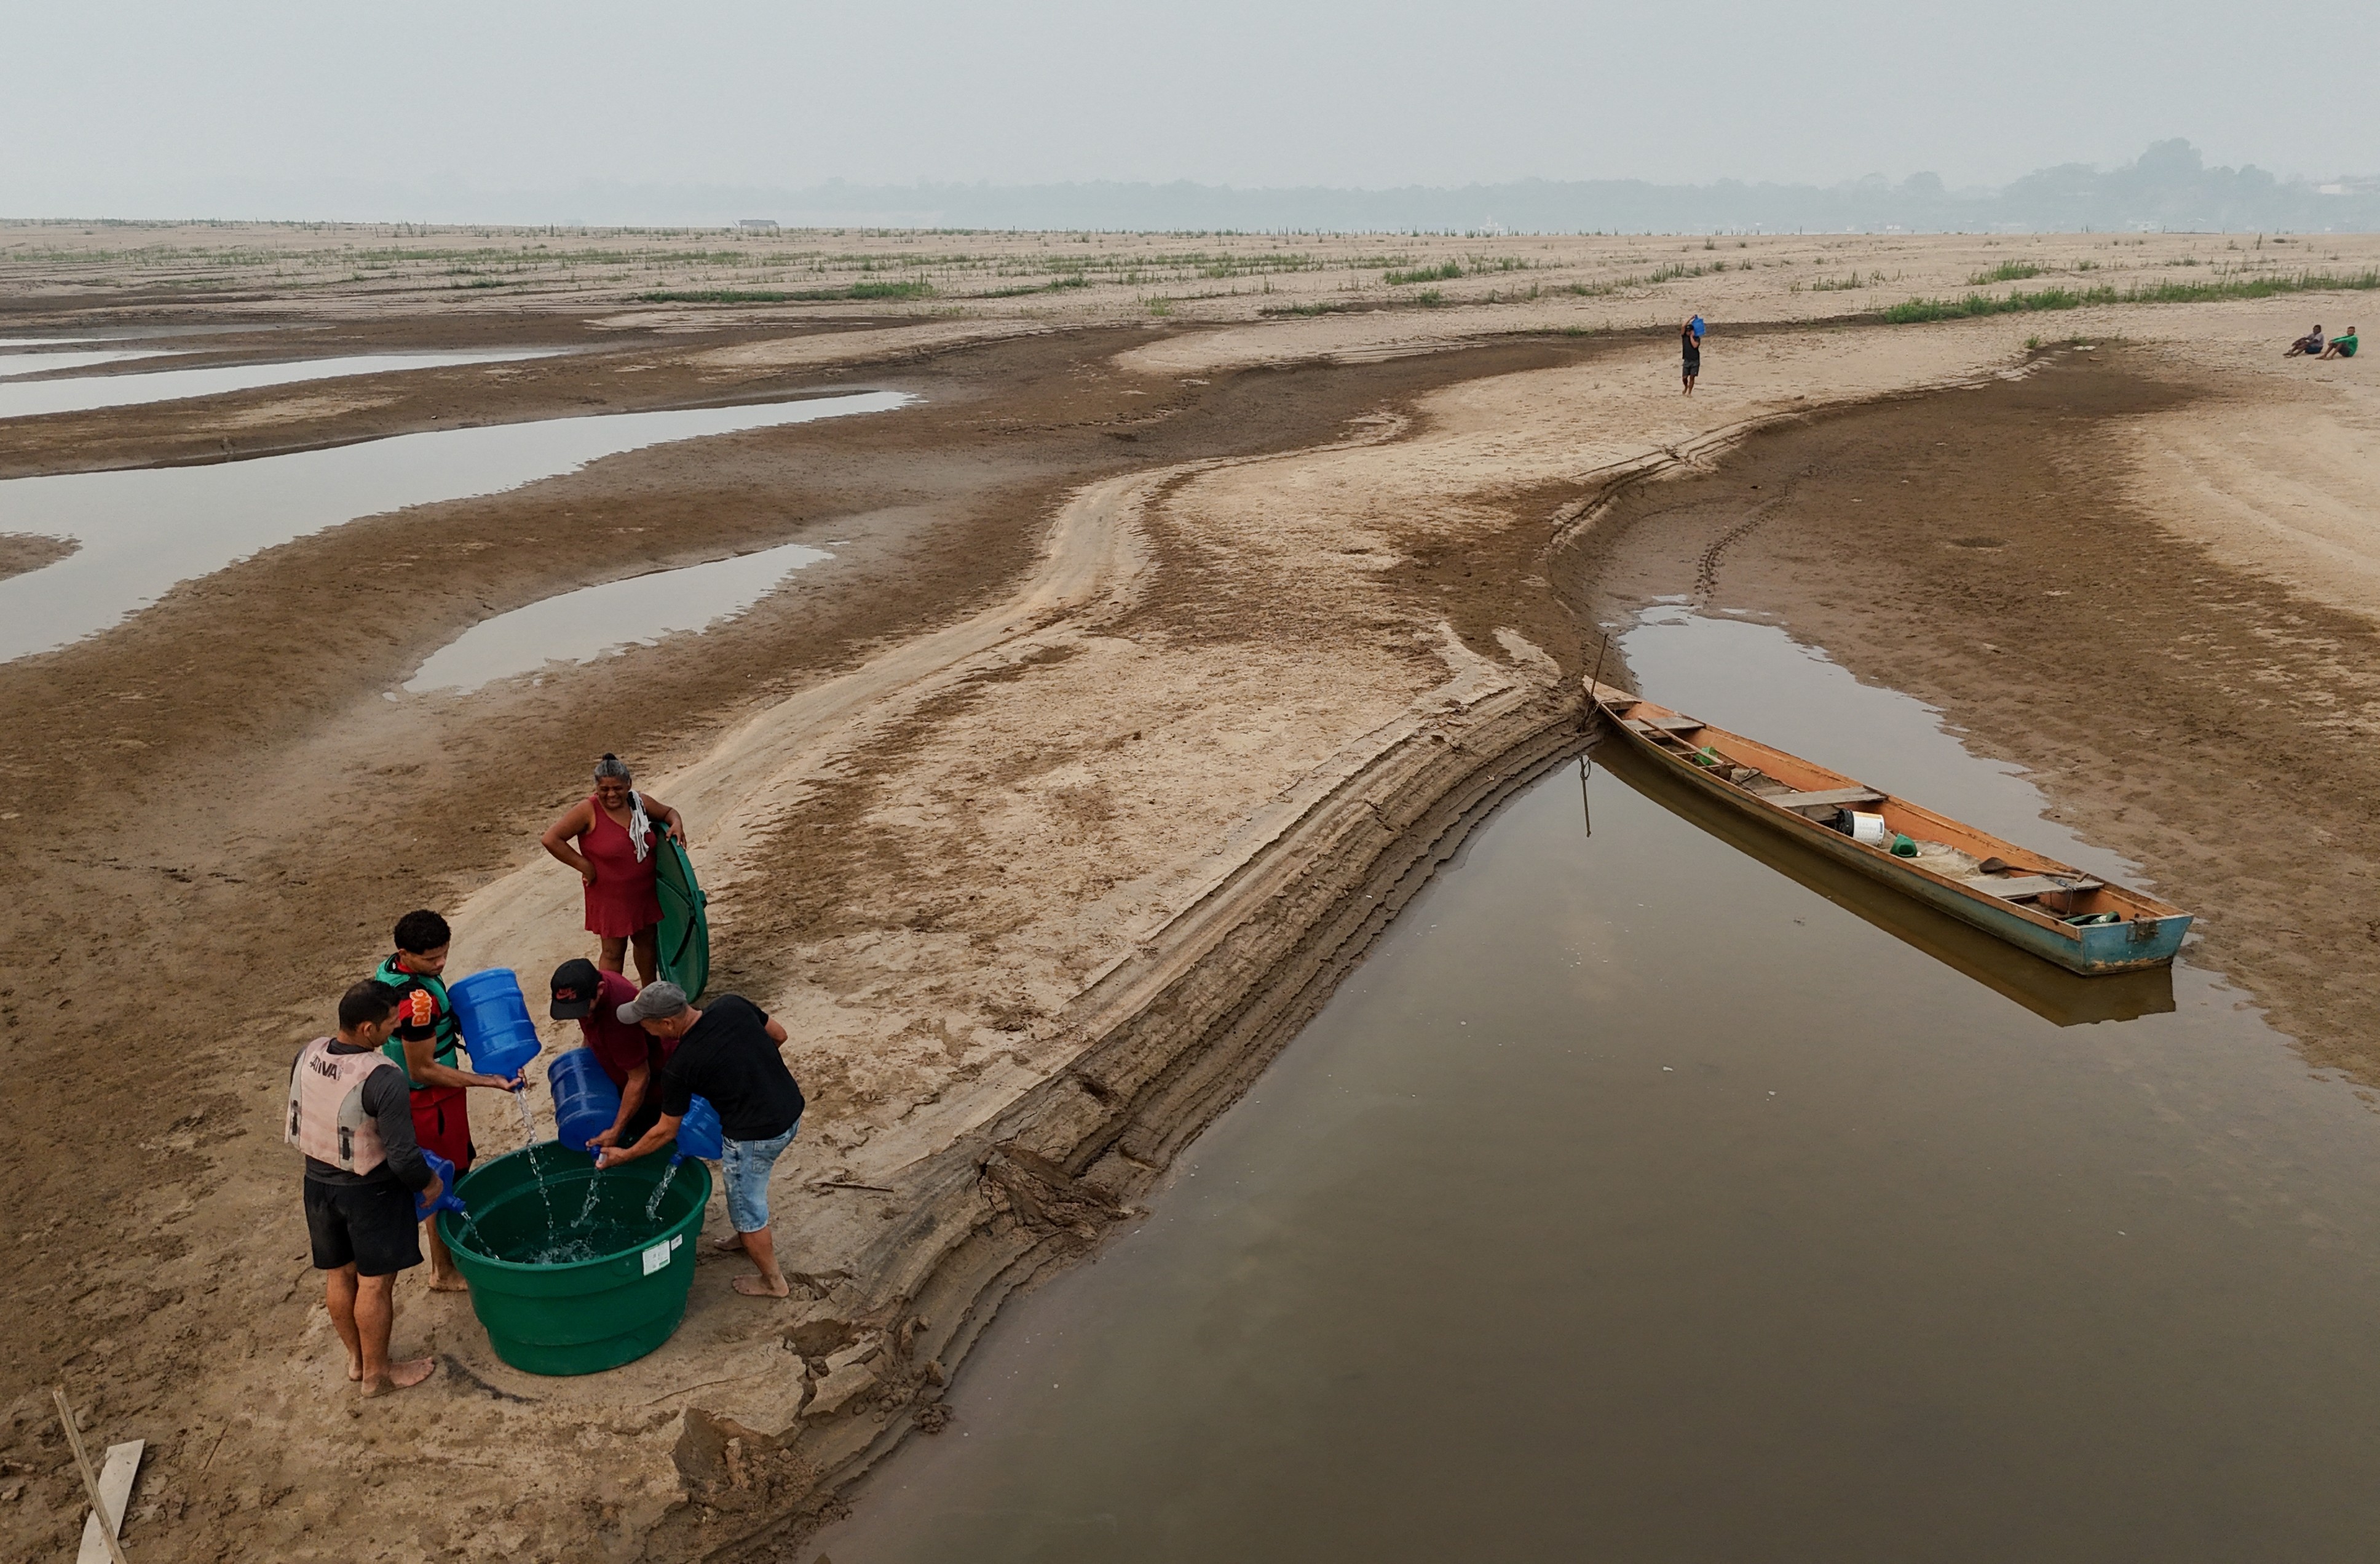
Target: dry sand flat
x=1040 y=855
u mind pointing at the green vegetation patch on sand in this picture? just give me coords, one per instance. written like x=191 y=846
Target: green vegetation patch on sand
x=2011 y=303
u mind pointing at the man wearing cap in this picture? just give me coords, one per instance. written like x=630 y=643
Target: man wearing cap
x=351 y=1115
x=727 y=1053
x=629 y=1054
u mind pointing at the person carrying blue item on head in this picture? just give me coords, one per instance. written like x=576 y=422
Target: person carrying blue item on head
x=1690 y=342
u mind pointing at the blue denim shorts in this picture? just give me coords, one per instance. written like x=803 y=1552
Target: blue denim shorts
x=744 y=1167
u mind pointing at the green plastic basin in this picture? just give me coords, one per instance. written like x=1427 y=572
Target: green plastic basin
x=559 y=1295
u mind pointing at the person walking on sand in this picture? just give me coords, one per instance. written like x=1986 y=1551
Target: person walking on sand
x=1690 y=339
x=612 y=832
x=629 y=1055
x=727 y=1054
x=351 y=1115
x=2343 y=346
x=424 y=1047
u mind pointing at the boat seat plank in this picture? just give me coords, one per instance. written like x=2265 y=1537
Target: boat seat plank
x=1673 y=724
x=2019 y=887
x=1839 y=797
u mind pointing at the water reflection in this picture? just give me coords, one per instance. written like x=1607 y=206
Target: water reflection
x=1634 y=1201
x=578 y=627
x=141 y=532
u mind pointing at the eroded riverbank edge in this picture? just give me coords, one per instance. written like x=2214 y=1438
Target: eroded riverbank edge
x=1170 y=1040
x=1167 y=1042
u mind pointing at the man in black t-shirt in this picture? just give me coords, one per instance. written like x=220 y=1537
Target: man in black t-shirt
x=727 y=1054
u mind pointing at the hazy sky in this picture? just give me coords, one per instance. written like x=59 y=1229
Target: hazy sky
x=114 y=107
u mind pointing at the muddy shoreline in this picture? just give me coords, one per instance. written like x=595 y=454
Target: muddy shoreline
x=1231 y=650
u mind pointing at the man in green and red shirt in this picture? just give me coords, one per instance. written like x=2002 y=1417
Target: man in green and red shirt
x=424 y=1047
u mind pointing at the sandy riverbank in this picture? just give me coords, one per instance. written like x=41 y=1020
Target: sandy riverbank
x=1156 y=663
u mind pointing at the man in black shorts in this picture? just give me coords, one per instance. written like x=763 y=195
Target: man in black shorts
x=351 y=1112
x=1690 y=338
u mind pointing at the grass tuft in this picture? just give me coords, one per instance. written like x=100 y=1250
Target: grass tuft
x=1446 y=273
x=2007 y=271
x=914 y=288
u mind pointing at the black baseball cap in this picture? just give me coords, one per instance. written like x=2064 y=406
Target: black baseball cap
x=573 y=989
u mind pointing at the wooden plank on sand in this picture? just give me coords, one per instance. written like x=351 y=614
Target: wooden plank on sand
x=116 y=1477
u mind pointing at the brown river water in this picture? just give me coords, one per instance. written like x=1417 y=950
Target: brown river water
x=1636 y=1199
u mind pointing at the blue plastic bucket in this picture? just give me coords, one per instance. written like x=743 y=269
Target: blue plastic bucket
x=494 y=1018
x=585 y=1102
x=447 y=1199
x=699 y=1135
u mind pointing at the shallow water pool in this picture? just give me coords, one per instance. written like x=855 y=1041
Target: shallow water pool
x=579 y=627
x=142 y=531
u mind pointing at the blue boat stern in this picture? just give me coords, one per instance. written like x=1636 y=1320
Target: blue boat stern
x=2143 y=941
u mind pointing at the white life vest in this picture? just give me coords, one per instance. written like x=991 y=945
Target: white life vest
x=327 y=1120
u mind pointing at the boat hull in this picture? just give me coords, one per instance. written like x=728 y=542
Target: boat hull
x=2091 y=950
x=2050 y=990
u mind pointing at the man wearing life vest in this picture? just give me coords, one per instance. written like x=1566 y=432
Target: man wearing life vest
x=424 y=1047
x=349 y=1113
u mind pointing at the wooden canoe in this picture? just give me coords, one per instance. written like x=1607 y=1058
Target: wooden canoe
x=2052 y=909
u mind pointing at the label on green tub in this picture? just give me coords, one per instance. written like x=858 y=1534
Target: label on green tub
x=656 y=1258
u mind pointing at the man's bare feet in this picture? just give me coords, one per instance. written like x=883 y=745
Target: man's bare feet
x=451 y=1282
x=732 y=1243
x=763 y=1287
x=355 y=1366
x=401 y=1376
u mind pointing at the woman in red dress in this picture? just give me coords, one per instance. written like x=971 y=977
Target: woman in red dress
x=609 y=838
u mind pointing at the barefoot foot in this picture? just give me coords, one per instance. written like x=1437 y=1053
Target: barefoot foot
x=355 y=1368
x=401 y=1376
x=732 y=1243
x=763 y=1287
x=451 y=1282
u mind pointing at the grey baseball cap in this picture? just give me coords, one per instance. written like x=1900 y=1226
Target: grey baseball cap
x=652 y=1002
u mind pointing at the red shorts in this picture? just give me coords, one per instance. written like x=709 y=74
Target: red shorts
x=442 y=1124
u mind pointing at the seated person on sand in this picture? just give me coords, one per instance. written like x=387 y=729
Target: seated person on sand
x=2342 y=346
x=2310 y=344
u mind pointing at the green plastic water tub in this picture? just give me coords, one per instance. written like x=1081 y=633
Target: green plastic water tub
x=559 y=1296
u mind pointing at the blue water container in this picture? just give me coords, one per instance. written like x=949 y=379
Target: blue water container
x=447 y=1199
x=585 y=1102
x=494 y=1018
x=699 y=1134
